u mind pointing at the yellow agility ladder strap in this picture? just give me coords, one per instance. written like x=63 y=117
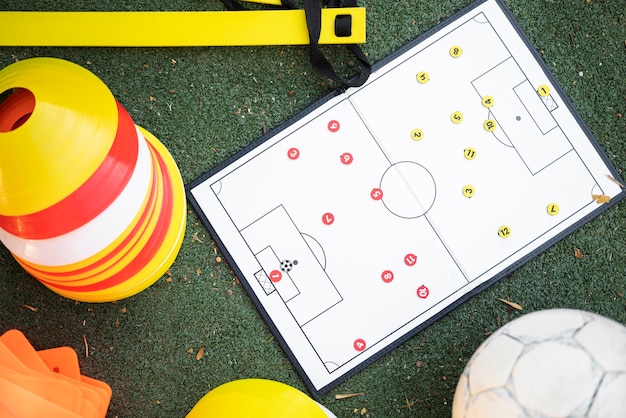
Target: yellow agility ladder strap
x=274 y=2
x=150 y=29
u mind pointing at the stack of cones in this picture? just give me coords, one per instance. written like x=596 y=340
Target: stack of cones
x=46 y=383
x=91 y=205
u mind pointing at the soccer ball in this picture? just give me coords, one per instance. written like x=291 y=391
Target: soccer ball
x=551 y=363
x=287 y=265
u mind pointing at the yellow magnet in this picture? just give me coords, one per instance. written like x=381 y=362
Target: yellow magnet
x=468 y=190
x=504 y=231
x=490 y=125
x=469 y=153
x=456 y=51
x=487 y=101
x=422 y=77
x=553 y=209
x=417 y=134
x=543 y=90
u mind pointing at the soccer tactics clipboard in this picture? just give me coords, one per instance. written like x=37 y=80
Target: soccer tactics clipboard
x=378 y=210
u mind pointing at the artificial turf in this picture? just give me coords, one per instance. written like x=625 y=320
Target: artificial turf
x=205 y=104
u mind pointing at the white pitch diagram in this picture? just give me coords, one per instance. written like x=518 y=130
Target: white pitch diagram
x=387 y=205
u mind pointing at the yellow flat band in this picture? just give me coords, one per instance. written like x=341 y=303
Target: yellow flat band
x=151 y=29
x=274 y=2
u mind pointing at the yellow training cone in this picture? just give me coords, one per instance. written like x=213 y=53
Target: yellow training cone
x=257 y=398
x=54 y=145
x=115 y=230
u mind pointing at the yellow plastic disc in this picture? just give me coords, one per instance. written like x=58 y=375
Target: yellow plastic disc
x=81 y=247
x=62 y=142
x=169 y=247
x=111 y=259
x=258 y=398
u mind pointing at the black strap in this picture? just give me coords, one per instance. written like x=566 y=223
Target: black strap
x=313 y=11
x=343 y=27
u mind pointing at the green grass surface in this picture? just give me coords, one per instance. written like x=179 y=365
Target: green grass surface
x=204 y=104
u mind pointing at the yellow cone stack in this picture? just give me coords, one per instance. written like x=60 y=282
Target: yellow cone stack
x=91 y=205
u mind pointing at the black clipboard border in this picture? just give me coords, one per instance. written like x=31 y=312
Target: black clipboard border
x=317 y=393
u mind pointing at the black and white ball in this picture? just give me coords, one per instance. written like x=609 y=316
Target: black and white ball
x=551 y=363
x=287 y=265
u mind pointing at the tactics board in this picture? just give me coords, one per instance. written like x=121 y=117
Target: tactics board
x=380 y=209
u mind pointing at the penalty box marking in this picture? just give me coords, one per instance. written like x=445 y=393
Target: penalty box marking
x=281 y=281
x=523 y=116
x=307 y=290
